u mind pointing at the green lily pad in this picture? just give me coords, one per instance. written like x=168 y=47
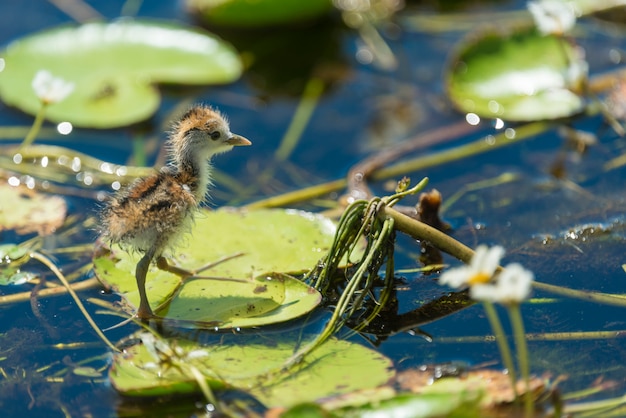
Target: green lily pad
x=113 y=67
x=12 y=252
x=258 y=13
x=269 y=243
x=334 y=368
x=12 y=257
x=420 y=406
x=14 y=276
x=518 y=76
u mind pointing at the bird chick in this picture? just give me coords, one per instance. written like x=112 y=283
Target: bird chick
x=152 y=214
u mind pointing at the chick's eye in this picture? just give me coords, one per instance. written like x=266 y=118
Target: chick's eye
x=215 y=135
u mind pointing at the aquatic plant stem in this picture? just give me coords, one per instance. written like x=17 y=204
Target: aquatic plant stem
x=421 y=231
x=590 y=407
x=346 y=298
x=481 y=145
x=447 y=244
x=202 y=384
x=519 y=334
x=310 y=97
x=51 y=291
x=596 y=297
x=34 y=130
x=549 y=336
x=501 y=340
x=45 y=261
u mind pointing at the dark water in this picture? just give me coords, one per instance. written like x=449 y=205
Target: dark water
x=352 y=120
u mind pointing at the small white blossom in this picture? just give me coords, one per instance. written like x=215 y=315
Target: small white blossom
x=552 y=16
x=480 y=270
x=513 y=285
x=50 y=89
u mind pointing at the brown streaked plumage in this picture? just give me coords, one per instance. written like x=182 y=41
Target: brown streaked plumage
x=153 y=212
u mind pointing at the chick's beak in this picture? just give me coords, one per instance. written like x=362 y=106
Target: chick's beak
x=237 y=140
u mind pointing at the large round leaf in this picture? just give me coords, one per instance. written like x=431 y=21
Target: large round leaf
x=269 y=243
x=517 y=76
x=113 y=67
x=336 y=367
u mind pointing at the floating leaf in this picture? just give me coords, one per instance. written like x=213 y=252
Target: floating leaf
x=519 y=76
x=334 y=368
x=113 y=67
x=12 y=252
x=258 y=13
x=27 y=211
x=270 y=298
x=13 y=276
x=401 y=405
x=271 y=242
x=12 y=257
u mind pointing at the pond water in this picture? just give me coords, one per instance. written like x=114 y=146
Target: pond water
x=568 y=230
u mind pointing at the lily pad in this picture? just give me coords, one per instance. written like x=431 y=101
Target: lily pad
x=12 y=257
x=518 y=76
x=334 y=368
x=113 y=67
x=269 y=243
x=258 y=13
x=27 y=211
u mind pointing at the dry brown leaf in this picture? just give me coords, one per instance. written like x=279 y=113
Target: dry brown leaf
x=28 y=211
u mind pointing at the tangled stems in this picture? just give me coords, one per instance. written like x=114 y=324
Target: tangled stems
x=362 y=218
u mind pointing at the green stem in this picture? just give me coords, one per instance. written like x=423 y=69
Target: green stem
x=204 y=386
x=44 y=260
x=501 y=340
x=34 y=130
x=312 y=92
x=420 y=163
x=605 y=298
x=421 y=231
x=548 y=336
x=519 y=334
x=596 y=405
x=480 y=146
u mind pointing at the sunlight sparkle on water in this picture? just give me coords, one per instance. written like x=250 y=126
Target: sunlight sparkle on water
x=29 y=182
x=364 y=55
x=106 y=168
x=472 y=118
x=65 y=128
x=494 y=106
x=509 y=133
x=76 y=164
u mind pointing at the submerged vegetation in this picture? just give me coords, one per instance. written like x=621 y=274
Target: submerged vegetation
x=264 y=309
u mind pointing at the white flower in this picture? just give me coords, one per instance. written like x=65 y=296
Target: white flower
x=513 y=285
x=552 y=16
x=480 y=270
x=50 y=89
